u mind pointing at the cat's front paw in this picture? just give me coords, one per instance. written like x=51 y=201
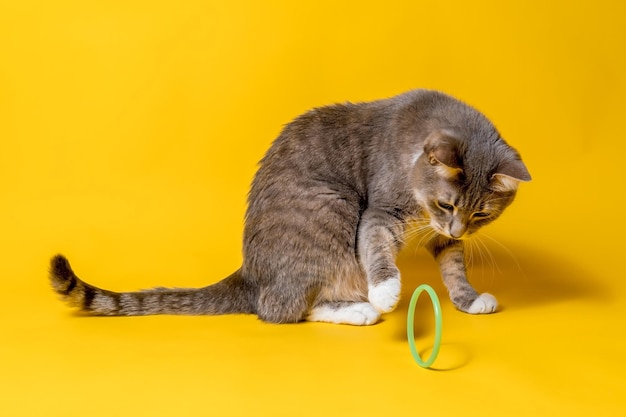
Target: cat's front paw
x=484 y=304
x=385 y=296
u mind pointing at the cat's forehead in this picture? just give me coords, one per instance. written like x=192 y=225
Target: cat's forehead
x=466 y=192
x=480 y=160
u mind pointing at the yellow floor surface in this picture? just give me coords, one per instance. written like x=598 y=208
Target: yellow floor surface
x=130 y=132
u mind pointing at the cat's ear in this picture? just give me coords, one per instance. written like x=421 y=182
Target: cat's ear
x=509 y=174
x=443 y=153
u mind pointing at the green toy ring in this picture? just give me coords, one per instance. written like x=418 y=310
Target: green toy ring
x=410 y=329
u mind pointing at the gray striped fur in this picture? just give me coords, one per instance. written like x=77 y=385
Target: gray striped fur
x=330 y=207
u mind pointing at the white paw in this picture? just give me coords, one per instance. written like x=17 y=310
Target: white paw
x=484 y=304
x=385 y=296
x=357 y=314
x=362 y=314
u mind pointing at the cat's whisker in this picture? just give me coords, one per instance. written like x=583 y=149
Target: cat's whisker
x=469 y=253
x=425 y=234
x=469 y=257
x=474 y=247
x=508 y=252
x=490 y=257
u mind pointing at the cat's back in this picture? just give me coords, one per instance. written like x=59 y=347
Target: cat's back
x=352 y=125
x=342 y=143
x=330 y=144
x=337 y=126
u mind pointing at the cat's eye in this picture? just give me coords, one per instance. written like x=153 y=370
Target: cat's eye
x=445 y=206
x=481 y=214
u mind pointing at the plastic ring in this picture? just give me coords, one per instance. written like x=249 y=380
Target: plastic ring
x=410 y=329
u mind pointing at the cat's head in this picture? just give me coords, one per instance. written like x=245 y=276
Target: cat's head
x=464 y=183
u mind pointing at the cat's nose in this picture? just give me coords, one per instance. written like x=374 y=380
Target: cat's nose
x=457 y=229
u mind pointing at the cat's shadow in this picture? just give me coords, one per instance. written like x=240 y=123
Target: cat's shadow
x=520 y=277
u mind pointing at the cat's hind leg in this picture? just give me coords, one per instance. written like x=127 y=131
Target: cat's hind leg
x=286 y=303
x=344 y=312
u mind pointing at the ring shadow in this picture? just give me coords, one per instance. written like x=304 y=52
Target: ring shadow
x=520 y=277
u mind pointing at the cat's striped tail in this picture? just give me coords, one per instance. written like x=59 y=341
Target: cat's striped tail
x=231 y=295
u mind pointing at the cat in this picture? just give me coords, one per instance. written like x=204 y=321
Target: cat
x=328 y=210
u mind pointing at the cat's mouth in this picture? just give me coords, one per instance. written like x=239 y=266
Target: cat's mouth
x=446 y=233
x=452 y=237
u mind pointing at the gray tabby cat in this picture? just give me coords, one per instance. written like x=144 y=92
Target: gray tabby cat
x=328 y=209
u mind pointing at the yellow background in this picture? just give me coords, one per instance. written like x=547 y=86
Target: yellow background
x=130 y=132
